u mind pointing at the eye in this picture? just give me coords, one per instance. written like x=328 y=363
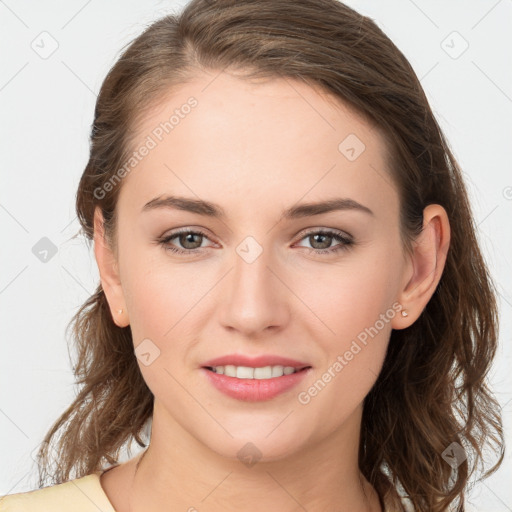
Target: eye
x=321 y=241
x=190 y=240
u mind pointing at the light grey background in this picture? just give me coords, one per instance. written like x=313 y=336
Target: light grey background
x=47 y=104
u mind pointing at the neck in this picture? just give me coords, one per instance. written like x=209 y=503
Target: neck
x=187 y=475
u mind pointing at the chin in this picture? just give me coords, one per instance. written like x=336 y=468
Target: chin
x=256 y=446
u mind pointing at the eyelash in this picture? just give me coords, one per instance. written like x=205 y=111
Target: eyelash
x=346 y=242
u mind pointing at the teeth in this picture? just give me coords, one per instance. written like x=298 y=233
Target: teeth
x=246 y=372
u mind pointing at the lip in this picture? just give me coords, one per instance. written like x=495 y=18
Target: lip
x=255 y=362
x=254 y=390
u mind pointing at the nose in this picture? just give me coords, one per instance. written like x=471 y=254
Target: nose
x=254 y=297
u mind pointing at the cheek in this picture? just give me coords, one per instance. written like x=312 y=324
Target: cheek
x=352 y=361
x=158 y=292
x=158 y=301
x=151 y=299
x=356 y=309
x=351 y=296
x=164 y=302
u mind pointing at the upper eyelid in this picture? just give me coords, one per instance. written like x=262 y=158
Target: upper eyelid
x=181 y=231
x=308 y=231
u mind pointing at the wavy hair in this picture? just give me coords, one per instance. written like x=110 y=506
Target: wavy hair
x=432 y=390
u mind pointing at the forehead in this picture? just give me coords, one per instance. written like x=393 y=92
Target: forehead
x=235 y=142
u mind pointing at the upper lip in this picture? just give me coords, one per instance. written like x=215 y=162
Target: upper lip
x=255 y=362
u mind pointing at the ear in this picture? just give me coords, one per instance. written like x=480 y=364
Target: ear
x=109 y=272
x=425 y=265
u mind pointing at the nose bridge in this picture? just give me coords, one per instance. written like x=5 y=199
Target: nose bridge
x=251 y=275
x=255 y=300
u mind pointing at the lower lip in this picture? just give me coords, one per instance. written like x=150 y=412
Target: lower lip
x=254 y=390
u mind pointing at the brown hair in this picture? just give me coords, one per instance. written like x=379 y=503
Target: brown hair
x=432 y=389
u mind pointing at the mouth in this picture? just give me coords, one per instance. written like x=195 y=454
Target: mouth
x=254 y=384
x=258 y=373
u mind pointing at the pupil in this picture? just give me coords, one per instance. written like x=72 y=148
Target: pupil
x=187 y=238
x=325 y=244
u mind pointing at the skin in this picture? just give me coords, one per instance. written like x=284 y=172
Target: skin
x=256 y=149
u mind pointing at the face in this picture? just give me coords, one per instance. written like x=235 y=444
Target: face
x=264 y=276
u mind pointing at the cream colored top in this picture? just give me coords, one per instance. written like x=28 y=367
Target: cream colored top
x=80 y=495
x=84 y=494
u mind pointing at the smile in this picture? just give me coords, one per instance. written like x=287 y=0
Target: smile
x=254 y=384
x=248 y=372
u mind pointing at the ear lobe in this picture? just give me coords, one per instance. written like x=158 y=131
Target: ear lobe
x=427 y=262
x=109 y=272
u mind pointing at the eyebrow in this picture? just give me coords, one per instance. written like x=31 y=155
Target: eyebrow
x=215 y=211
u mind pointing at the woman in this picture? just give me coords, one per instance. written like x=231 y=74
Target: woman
x=292 y=294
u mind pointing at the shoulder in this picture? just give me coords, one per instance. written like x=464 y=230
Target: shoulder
x=85 y=494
